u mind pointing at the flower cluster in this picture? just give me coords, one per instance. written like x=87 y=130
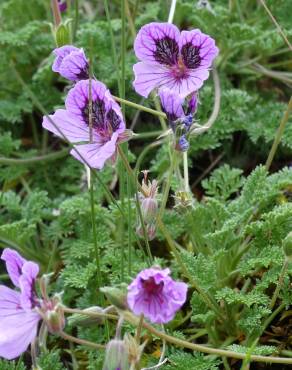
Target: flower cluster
x=176 y=64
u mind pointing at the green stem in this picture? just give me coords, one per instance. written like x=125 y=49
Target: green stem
x=162 y=116
x=138 y=206
x=280 y=283
x=167 y=184
x=134 y=320
x=113 y=47
x=140 y=107
x=145 y=135
x=279 y=135
x=94 y=233
x=204 y=349
x=76 y=18
x=83 y=342
x=186 y=172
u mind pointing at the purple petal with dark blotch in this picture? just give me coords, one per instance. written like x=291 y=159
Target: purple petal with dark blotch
x=157 y=42
x=198 y=50
x=30 y=271
x=78 y=97
x=14 y=263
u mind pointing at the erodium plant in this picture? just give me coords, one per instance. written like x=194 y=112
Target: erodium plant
x=213 y=272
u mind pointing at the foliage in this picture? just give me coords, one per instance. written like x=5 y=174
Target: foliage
x=229 y=240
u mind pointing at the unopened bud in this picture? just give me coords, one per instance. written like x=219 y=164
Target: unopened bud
x=287 y=246
x=63 y=34
x=125 y=136
x=150 y=231
x=149 y=208
x=83 y=320
x=116 y=356
x=182 y=144
x=116 y=296
x=134 y=349
x=53 y=314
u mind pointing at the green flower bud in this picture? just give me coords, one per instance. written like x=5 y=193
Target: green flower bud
x=83 y=320
x=63 y=33
x=116 y=296
x=287 y=246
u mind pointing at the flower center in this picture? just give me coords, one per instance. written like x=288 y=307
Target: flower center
x=105 y=123
x=151 y=287
x=179 y=70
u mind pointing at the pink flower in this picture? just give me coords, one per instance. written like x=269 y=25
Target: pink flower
x=73 y=122
x=154 y=294
x=18 y=317
x=172 y=59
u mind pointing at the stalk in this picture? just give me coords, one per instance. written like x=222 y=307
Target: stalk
x=279 y=135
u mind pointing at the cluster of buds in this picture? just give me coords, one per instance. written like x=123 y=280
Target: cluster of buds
x=149 y=207
x=180 y=114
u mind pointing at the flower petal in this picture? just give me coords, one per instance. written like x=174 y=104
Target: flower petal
x=171 y=104
x=150 y=76
x=74 y=66
x=9 y=302
x=14 y=263
x=158 y=42
x=30 y=271
x=65 y=123
x=197 y=49
x=18 y=328
x=96 y=154
x=17 y=333
x=60 y=54
x=78 y=98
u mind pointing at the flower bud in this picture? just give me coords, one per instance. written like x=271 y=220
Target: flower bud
x=53 y=314
x=182 y=144
x=287 y=246
x=116 y=296
x=150 y=231
x=62 y=5
x=134 y=349
x=149 y=208
x=63 y=34
x=116 y=356
x=83 y=320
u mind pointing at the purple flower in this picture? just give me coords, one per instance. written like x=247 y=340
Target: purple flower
x=108 y=127
x=172 y=59
x=154 y=294
x=62 y=5
x=174 y=106
x=71 y=63
x=18 y=317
